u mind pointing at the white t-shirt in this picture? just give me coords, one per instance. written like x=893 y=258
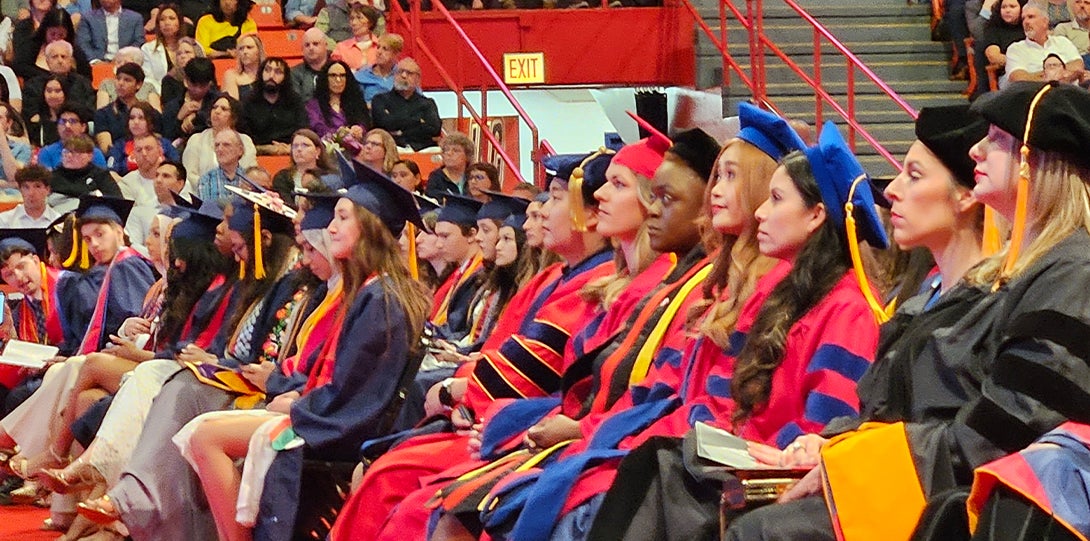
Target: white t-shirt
x=1029 y=56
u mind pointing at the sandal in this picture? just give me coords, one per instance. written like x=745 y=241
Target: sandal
x=79 y=475
x=100 y=511
x=29 y=467
x=28 y=494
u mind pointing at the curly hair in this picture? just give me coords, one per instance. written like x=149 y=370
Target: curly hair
x=203 y=262
x=352 y=104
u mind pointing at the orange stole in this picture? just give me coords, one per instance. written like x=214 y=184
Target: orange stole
x=445 y=293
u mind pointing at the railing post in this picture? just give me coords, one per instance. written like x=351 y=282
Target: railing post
x=414 y=20
x=817 y=82
x=759 y=30
x=755 y=74
x=851 y=105
x=723 y=39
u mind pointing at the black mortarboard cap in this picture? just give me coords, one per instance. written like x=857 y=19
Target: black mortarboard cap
x=191 y=201
x=697 y=149
x=1061 y=119
x=460 y=210
x=501 y=206
x=949 y=132
x=425 y=203
x=31 y=240
x=100 y=207
x=196 y=226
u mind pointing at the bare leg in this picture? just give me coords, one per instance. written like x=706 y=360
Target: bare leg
x=214 y=446
x=450 y=529
x=100 y=371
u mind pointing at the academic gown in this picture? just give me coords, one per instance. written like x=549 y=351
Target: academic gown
x=450 y=310
x=521 y=358
x=26 y=327
x=76 y=296
x=158 y=495
x=126 y=283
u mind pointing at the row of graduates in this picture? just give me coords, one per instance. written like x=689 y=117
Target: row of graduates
x=575 y=420
x=273 y=326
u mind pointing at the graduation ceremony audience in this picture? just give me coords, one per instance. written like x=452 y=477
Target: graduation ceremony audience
x=500 y=362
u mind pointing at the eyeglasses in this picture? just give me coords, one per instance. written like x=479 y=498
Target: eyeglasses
x=69 y=121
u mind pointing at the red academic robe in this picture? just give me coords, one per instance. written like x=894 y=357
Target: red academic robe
x=531 y=336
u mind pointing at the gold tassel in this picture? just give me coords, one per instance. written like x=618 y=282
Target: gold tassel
x=992 y=242
x=45 y=295
x=575 y=192
x=84 y=257
x=242 y=270
x=259 y=262
x=74 y=252
x=881 y=313
x=414 y=269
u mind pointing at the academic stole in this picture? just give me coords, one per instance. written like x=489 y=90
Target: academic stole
x=200 y=342
x=460 y=276
x=37 y=328
x=98 y=317
x=303 y=346
x=322 y=372
x=488 y=302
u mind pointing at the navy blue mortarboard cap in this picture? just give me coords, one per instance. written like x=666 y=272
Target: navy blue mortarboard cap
x=460 y=210
x=197 y=226
x=275 y=220
x=501 y=206
x=381 y=196
x=99 y=207
x=31 y=240
x=835 y=169
x=189 y=202
x=320 y=212
x=561 y=166
x=175 y=211
x=767 y=131
x=516 y=221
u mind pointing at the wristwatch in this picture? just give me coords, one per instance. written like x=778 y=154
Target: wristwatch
x=445 y=397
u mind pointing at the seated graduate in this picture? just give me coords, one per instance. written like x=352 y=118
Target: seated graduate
x=456 y=232
x=22 y=256
x=521 y=358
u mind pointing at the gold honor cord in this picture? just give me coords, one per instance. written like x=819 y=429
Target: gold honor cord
x=881 y=313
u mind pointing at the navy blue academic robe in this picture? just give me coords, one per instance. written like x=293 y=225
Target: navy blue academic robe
x=76 y=293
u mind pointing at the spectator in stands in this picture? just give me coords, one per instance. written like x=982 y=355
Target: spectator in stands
x=1058 y=12
x=272 y=115
x=525 y=190
x=28 y=20
x=161 y=53
x=1000 y=32
x=15 y=151
x=482 y=176
x=378 y=150
x=307 y=155
x=218 y=32
x=1077 y=29
x=315 y=57
x=71 y=122
x=139 y=184
x=258 y=175
x=457 y=152
x=1025 y=58
x=111 y=121
x=958 y=26
x=360 y=49
x=30 y=56
x=77 y=88
x=228 y=149
x=333 y=20
x=200 y=156
x=142 y=121
x=407 y=175
x=12 y=86
x=300 y=13
x=172 y=86
x=107 y=89
x=103 y=31
x=33 y=212
x=408 y=115
x=78 y=174
x=42 y=126
x=337 y=104
x=379 y=76
x=243 y=78
x=188 y=114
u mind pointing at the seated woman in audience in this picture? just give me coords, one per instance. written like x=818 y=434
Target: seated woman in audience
x=173 y=83
x=307 y=154
x=107 y=89
x=360 y=49
x=15 y=151
x=55 y=25
x=199 y=156
x=482 y=178
x=407 y=175
x=160 y=54
x=336 y=103
x=241 y=79
x=219 y=30
x=378 y=150
x=1001 y=31
x=43 y=124
x=143 y=119
x=457 y=153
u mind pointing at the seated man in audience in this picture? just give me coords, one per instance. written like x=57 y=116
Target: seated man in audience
x=301 y=13
x=77 y=88
x=228 y=148
x=71 y=121
x=259 y=176
x=77 y=175
x=379 y=77
x=33 y=212
x=1077 y=29
x=315 y=56
x=139 y=185
x=189 y=114
x=104 y=30
x=270 y=116
x=112 y=121
x=1025 y=59
x=408 y=115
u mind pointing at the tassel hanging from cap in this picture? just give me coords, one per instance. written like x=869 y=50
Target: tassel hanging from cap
x=74 y=252
x=882 y=314
x=992 y=241
x=575 y=193
x=259 y=261
x=45 y=290
x=414 y=266
x=242 y=270
x=84 y=257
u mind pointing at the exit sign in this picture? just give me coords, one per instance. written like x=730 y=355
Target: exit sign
x=523 y=68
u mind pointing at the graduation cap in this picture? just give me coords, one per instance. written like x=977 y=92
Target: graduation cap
x=516 y=221
x=460 y=210
x=644 y=156
x=698 y=150
x=29 y=240
x=254 y=211
x=585 y=180
x=501 y=206
x=949 y=132
x=878 y=187
x=1060 y=119
x=383 y=197
x=561 y=166
x=196 y=225
x=426 y=204
x=191 y=202
x=320 y=212
x=768 y=132
x=97 y=208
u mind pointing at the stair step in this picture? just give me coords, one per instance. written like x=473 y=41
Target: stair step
x=864 y=86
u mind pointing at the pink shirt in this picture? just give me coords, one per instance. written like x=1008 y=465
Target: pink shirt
x=356 y=53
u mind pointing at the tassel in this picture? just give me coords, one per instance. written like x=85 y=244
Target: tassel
x=414 y=269
x=881 y=313
x=242 y=270
x=74 y=252
x=259 y=262
x=992 y=242
x=84 y=257
x=45 y=293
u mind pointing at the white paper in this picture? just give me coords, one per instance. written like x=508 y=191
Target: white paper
x=27 y=354
x=723 y=447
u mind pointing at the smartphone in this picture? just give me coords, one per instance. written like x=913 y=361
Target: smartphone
x=3 y=304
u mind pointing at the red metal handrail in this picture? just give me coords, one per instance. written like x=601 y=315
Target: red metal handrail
x=413 y=22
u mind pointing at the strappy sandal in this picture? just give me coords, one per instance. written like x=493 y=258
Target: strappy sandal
x=100 y=511
x=63 y=481
x=29 y=493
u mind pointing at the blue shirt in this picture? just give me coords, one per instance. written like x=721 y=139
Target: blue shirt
x=373 y=85
x=210 y=187
x=50 y=156
x=294 y=8
x=22 y=153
